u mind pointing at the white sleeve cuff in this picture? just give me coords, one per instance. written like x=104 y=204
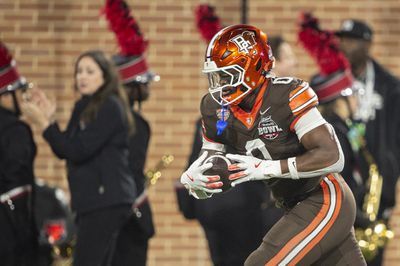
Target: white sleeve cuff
x=308 y=122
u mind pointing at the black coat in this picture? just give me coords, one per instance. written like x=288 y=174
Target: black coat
x=382 y=133
x=17 y=152
x=132 y=243
x=138 y=146
x=97 y=156
x=17 y=225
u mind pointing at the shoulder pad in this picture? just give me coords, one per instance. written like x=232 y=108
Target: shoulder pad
x=302 y=97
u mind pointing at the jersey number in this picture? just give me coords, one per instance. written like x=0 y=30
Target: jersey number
x=256 y=146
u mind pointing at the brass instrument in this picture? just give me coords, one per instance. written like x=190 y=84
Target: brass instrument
x=377 y=235
x=154 y=174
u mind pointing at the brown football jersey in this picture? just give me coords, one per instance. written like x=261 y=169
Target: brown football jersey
x=267 y=132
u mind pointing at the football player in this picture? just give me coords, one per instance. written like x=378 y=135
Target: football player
x=274 y=132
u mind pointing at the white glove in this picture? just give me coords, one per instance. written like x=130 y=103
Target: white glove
x=199 y=185
x=252 y=169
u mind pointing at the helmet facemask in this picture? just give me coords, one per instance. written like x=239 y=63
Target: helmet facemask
x=224 y=83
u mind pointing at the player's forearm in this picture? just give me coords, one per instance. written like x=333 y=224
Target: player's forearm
x=315 y=162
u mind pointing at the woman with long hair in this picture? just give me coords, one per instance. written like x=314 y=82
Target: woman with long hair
x=95 y=146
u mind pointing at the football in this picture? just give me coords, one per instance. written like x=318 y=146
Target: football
x=220 y=167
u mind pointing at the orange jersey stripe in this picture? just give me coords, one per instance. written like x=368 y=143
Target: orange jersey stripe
x=312 y=103
x=293 y=92
x=295 y=241
x=323 y=232
x=302 y=98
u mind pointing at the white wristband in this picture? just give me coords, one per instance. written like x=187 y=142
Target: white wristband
x=292 y=166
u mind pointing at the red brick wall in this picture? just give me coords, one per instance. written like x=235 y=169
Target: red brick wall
x=46 y=36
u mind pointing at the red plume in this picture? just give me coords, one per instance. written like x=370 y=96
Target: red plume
x=321 y=45
x=208 y=23
x=130 y=39
x=5 y=56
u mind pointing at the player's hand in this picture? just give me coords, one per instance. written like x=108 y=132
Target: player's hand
x=199 y=184
x=251 y=168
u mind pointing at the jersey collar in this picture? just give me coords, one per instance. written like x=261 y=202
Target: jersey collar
x=246 y=118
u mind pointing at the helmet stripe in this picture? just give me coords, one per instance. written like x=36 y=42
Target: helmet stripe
x=211 y=44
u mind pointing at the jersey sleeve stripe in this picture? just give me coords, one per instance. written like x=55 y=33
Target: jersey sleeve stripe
x=311 y=102
x=301 y=97
x=298 y=91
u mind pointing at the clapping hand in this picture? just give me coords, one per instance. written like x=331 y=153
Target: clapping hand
x=38 y=108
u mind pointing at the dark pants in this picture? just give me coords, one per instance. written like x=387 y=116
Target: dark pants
x=378 y=259
x=316 y=231
x=97 y=232
x=225 y=250
x=132 y=244
x=233 y=236
x=18 y=235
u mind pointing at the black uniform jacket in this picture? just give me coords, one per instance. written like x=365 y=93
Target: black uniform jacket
x=97 y=156
x=138 y=145
x=17 y=152
x=382 y=133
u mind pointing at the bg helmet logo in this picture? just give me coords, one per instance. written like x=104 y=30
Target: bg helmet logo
x=245 y=41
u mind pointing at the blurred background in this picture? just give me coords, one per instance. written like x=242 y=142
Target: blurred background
x=45 y=36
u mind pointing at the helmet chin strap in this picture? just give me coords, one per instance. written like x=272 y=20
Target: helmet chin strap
x=140 y=99
x=15 y=102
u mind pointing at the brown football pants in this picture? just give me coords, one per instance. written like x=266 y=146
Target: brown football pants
x=316 y=231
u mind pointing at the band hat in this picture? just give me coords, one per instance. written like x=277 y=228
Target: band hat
x=130 y=60
x=10 y=79
x=333 y=86
x=334 y=78
x=355 y=29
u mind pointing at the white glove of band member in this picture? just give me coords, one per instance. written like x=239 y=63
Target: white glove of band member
x=252 y=169
x=201 y=186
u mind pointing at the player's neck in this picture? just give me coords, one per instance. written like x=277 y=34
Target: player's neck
x=248 y=102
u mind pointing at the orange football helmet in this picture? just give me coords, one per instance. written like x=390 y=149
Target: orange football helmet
x=237 y=60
